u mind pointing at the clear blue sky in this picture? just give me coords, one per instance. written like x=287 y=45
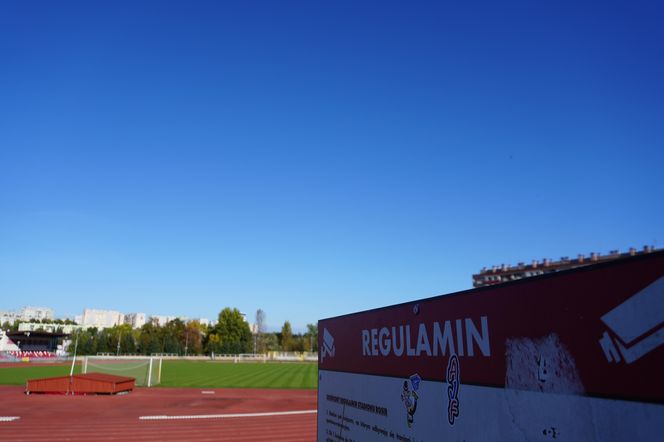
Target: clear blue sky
x=317 y=158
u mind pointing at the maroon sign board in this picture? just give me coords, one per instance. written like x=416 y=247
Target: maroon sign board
x=575 y=355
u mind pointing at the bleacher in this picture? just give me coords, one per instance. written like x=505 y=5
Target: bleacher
x=31 y=354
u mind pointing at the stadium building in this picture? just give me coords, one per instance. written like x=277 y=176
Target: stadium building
x=36 y=340
x=49 y=327
x=27 y=345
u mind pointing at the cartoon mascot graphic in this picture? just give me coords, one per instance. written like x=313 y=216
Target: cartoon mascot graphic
x=409 y=399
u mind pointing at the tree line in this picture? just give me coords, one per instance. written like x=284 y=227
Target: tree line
x=230 y=335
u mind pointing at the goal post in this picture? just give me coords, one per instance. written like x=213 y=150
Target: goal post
x=145 y=369
x=250 y=357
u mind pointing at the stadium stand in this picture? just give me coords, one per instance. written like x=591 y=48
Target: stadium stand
x=31 y=354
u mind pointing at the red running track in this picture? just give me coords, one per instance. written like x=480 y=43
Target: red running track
x=123 y=417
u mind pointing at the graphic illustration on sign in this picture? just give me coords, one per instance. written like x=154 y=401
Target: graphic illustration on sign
x=638 y=325
x=543 y=364
x=328 y=345
x=409 y=398
x=453 y=382
x=542 y=370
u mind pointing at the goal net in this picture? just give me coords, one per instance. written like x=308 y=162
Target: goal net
x=146 y=370
x=250 y=357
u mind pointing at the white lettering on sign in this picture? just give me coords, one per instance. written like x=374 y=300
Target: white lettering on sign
x=434 y=339
x=384 y=343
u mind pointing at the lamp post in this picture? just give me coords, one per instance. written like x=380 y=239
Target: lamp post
x=119 y=339
x=73 y=360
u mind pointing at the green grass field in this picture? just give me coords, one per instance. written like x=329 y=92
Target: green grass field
x=247 y=375
x=18 y=375
x=196 y=374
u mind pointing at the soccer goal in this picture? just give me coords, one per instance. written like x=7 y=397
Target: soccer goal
x=250 y=357
x=145 y=369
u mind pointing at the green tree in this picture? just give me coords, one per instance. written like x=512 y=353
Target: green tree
x=193 y=338
x=127 y=340
x=312 y=337
x=287 y=337
x=260 y=331
x=212 y=343
x=121 y=339
x=87 y=341
x=298 y=343
x=173 y=336
x=271 y=341
x=234 y=332
x=149 y=340
x=104 y=344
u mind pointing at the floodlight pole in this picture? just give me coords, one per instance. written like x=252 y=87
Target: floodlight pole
x=73 y=361
x=119 y=339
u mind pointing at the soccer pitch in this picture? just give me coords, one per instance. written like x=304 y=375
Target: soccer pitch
x=19 y=375
x=196 y=374
x=243 y=375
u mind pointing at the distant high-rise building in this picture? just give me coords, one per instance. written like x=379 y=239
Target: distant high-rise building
x=40 y=313
x=8 y=316
x=162 y=320
x=101 y=318
x=27 y=314
x=506 y=272
x=204 y=321
x=136 y=320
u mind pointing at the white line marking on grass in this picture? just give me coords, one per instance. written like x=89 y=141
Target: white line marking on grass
x=9 y=418
x=226 y=416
